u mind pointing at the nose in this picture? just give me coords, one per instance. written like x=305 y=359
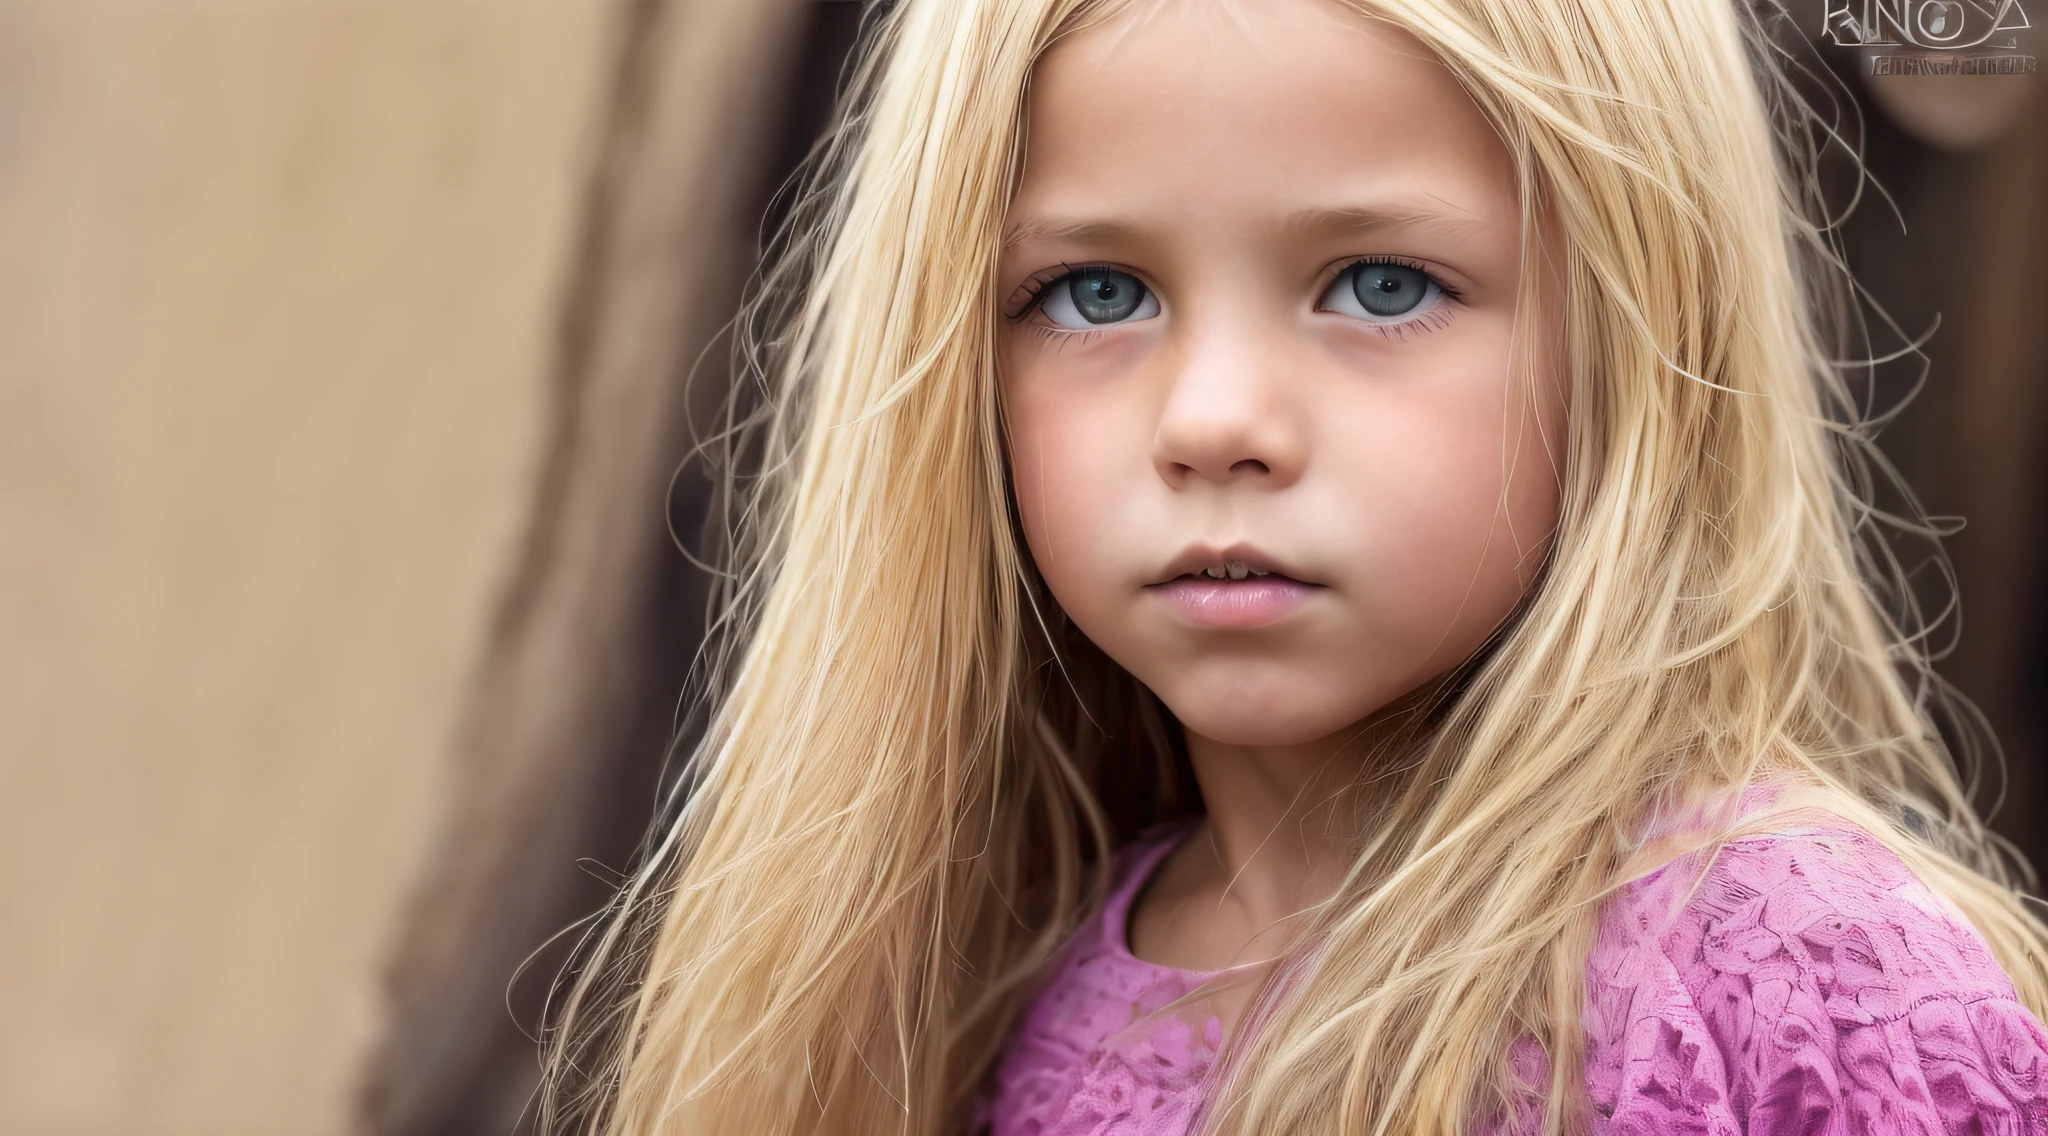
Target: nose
x=1230 y=417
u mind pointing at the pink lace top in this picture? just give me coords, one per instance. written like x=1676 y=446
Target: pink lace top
x=1806 y=985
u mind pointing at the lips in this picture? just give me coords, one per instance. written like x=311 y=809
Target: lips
x=1235 y=589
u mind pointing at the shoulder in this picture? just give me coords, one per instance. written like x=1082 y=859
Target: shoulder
x=1804 y=981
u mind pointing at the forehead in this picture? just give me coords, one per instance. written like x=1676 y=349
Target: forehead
x=1240 y=106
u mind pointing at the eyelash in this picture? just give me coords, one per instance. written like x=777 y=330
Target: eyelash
x=1034 y=288
x=1067 y=336
x=1035 y=285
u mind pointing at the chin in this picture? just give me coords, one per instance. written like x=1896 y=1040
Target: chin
x=1255 y=710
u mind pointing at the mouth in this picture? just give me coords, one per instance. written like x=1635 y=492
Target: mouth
x=1232 y=570
x=1236 y=562
x=1238 y=588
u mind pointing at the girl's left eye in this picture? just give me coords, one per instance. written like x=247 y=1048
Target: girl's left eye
x=1096 y=297
x=1382 y=292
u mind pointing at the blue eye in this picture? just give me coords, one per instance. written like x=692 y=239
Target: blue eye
x=1382 y=292
x=1093 y=297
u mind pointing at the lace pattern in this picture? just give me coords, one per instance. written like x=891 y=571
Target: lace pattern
x=1792 y=984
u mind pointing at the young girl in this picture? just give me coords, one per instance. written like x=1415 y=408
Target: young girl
x=1308 y=576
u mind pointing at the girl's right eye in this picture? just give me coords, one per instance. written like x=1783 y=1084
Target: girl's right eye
x=1096 y=297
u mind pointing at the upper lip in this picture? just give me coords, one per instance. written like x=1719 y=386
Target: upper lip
x=1197 y=557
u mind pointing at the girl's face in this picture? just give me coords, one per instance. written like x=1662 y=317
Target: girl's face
x=1261 y=277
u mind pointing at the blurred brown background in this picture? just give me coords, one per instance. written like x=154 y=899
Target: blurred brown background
x=345 y=360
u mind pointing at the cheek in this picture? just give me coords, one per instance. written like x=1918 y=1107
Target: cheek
x=1460 y=490
x=1535 y=480
x=1059 y=469
x=1535 y=432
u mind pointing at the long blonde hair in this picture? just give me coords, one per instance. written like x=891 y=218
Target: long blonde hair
x=913 y=774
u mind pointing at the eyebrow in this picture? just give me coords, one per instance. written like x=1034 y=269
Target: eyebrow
x=1445 y=219
x=1051 y=229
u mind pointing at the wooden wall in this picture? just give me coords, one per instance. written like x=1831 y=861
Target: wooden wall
x=1956 y=254
x=278 y=288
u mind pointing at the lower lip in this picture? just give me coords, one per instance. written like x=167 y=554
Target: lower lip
x=1235 y=605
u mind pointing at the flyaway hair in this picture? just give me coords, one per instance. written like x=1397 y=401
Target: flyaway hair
x=913 y=772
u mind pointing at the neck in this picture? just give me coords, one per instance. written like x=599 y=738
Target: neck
x=1283 y=819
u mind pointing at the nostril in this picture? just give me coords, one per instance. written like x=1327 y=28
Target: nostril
x=1250 y=465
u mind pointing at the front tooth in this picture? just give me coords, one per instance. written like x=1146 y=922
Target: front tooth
x=1237 y=570
x=1213 y=573
x=1256 y=572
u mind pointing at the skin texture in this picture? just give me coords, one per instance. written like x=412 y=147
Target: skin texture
x=1237 y=159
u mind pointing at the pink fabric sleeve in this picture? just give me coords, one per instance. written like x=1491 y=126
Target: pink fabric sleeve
x=1804 y=983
